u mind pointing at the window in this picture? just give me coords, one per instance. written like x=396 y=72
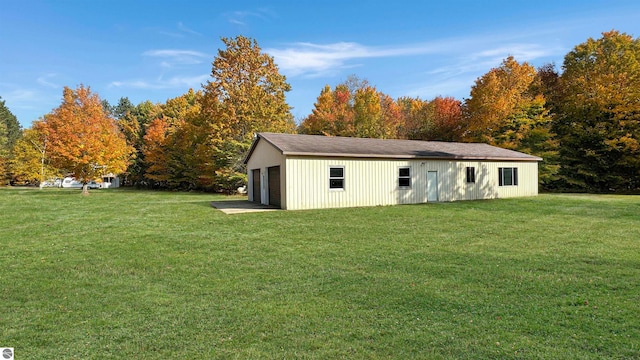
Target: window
x=508 y=176
x=471 y=174
x=336 y=177
x=404 y=177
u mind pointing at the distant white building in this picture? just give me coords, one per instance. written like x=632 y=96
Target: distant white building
x=310 y=172
x=110 y=181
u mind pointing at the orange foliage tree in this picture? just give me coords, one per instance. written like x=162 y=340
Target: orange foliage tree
x=83 y=139
x=505 y=105
x=447 y=119
x=353 y=108
x=155 y=152
x=508 y=108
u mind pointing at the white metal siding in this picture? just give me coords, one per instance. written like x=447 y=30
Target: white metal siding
x=263 y=157
x=372 y=182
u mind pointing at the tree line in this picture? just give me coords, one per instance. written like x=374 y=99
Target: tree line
x=582 y=119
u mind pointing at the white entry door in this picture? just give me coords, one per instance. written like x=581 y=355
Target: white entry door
x=432 y=186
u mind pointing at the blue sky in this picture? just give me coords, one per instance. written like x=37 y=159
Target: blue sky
x=156 y=50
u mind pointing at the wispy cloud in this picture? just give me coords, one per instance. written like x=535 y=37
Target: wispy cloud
x=321 y=59
x=169 y=61
x=46 y=80
x=314 y=60
x=177 y=57
x=187 y=30
x=175 y=82
x=242 y=18
x=28 y=103
x=179 y=32
x=490 y=57
x=20 y=95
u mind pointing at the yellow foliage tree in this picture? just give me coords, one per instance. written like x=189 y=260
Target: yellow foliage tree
x=30 y=161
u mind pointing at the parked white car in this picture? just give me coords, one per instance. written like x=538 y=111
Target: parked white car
x=70 y=182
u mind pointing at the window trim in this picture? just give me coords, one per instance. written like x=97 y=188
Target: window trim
x=471 y=174
x=514 y=176
x=404 y=177
x=342 y=178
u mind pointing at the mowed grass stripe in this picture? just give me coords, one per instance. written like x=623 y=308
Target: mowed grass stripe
x=124 y=273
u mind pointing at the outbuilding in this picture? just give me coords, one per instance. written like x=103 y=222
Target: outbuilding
x=311 y=172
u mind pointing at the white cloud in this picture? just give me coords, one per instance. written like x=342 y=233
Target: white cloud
x=176 y=82
x=182 y=31
x=136 y=84
x=242 y=18
x=187 y=30
x=45 y=80
x=313 y=60
x=20 y=96
x=190 y=81
x=177 y=57
x=27 y=104
x=319 y=59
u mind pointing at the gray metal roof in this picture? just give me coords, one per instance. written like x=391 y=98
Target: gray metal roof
x=334 y=146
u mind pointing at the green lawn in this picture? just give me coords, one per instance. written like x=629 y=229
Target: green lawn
x=124 y=274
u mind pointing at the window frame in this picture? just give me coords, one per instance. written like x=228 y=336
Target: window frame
x=404 y=177
x=471 y=174
x=336 y=178
x=502 y=176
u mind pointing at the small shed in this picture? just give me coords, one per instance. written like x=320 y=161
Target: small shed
x=311 y=172
x=110 y=181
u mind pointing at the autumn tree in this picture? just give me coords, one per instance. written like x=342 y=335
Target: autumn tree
x=415 y=122
x=446 y=113
x=133 y=121
x=368 y=121
x=4 y=153
x=245 y=95
x=497 y=99
x=30 y=161
x=353 y=108
x=392 y=120
x=507 y=109
x=129 y=124
x=549 y=86
x=332 y=115
x=598 y=122
x=83 y=140
x=187 y=147
x=155 y=152
x=322 y=119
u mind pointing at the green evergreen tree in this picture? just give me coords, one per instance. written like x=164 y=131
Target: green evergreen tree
x=10 y=132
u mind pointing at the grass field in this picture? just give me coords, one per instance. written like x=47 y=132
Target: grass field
x=124 y=274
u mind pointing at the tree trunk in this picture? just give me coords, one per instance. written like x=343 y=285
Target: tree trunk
x=85 y=189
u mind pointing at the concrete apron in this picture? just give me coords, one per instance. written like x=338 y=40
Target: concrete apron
x=241 y=206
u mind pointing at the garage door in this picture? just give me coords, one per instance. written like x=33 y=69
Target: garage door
x=274 y=186
x=255 y=174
